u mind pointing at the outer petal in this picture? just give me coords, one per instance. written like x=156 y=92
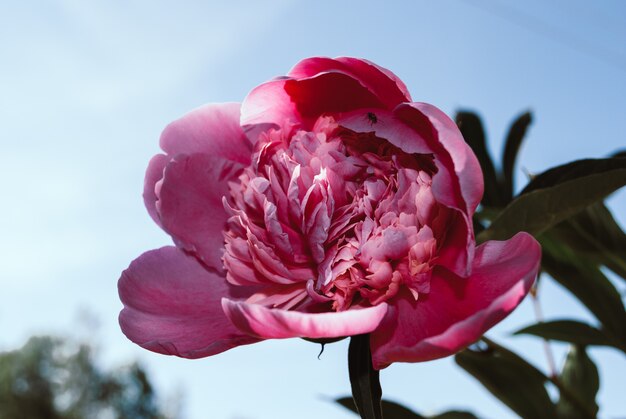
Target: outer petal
x=300 y=102
x=422 y=128
x=211 y=129
x=190 y=204
x=257 y=320
x=154 y=174
x=382 y=82
x=267 y=106
x=459 y=182
x=457 y=311
x=172 y=306
x=455 y=153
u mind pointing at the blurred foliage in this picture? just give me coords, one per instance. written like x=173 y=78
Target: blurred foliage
x=50 y=378
x=564 y=209
x=393 y=410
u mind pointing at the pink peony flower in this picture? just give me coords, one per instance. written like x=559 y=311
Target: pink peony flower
x=327 y=204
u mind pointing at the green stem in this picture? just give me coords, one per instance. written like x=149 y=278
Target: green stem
x=364 y=379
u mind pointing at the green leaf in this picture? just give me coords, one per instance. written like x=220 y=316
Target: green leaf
x=510 y=378
x=619 y=153
x=539 y=208
x=453 y=414
x=511 y=147
x=364 y=379
x=574 y=170
x=568 y=331
x=595 y=233
x=348 y=403
x=472 y=129
x=393 y=410
x=588 y=284
x=580 y=378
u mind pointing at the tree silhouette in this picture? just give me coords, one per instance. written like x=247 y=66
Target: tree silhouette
x=52 y=378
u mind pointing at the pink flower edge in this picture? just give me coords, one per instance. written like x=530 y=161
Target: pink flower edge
x=267 y=323
x=458 y=311
x=172 y=305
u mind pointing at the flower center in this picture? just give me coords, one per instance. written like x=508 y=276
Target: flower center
x=340 y=217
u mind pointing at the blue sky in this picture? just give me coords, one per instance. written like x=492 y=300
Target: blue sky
x=86 y=88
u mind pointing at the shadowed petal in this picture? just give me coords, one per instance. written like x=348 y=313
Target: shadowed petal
x=257 y=320
x=210 y=129
x=330 y=93
x=388 y=126
x=172 y=306
x=458 y=183
x=457 y=311
x=381 y=82
x=190 y=204
x=287 y=101
x=456 y=154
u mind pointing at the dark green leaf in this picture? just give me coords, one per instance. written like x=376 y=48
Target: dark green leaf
x=588 y=284
x=324 y=341
x=511 y=147
x=364 y=379
x=453 y=414
x=580 y=377
x=511 y=379
x=568 y=331
x=478 y=225
x=538 y=210
x=348 y=403
x=595 y=233
x=393 y=410
x=472 y=129
x=574 y=170
x=619 y=153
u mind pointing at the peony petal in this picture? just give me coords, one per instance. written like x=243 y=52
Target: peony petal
x=154 y=174
x=457 y=311
x=457 y=250
x=267 y=106
x=172 y=306
x=330 y=93
x=413 y=132
x=257 y=320
x=385 y=124
x=211 y=129
x=463 y=161
x=458 y=183
x=190 y=204
x=284 y=102
x=381 y=82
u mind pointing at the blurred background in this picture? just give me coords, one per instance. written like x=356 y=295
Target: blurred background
x=87 y=87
